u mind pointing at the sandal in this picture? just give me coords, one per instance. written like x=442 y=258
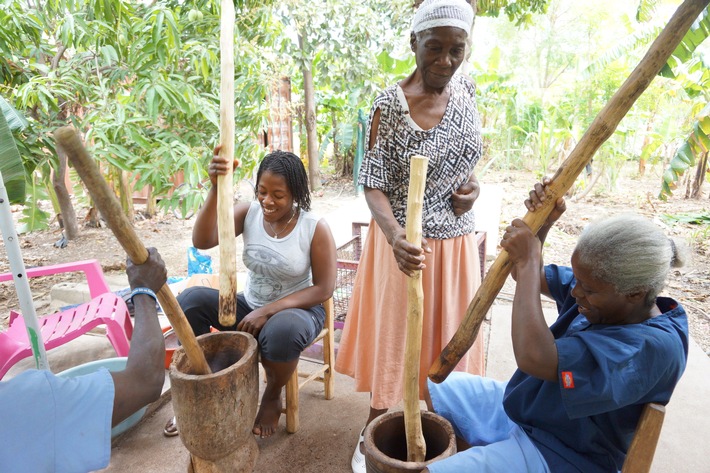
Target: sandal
x=171 y=428
x=358 y=461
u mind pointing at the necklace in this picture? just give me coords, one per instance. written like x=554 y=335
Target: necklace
x=276 y=234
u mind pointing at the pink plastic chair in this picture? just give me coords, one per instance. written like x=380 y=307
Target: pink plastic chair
x=105 y=308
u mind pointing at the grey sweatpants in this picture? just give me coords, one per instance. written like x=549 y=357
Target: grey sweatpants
x=284 y=336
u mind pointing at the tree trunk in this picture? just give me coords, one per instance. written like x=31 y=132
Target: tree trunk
x=66 y=209
x=310 y=103
x=302 y=149
x=700 y=172
x=336 y=149
x=150 y=203
x=646 y=141
x=93 y=220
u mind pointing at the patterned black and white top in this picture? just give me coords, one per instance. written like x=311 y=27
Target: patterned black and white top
x=453 y=148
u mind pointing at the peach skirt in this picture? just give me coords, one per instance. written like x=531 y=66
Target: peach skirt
x=372 y=346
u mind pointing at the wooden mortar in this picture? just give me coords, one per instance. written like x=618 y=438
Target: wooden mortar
x=215 y=412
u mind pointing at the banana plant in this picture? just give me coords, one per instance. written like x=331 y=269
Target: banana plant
x=690 y=73
x=694 y=74
x=693 y=152
x=686 y=49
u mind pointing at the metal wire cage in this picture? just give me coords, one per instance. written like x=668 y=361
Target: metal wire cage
x=348 y=259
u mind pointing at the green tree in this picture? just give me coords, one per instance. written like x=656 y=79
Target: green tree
x=140 y=80
x=336 y=47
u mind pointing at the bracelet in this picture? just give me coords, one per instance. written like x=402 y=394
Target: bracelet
x=142 y=290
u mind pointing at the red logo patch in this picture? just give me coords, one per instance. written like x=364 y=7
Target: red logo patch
x=567 y=380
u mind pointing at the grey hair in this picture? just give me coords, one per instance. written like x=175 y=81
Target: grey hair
x=631 y=253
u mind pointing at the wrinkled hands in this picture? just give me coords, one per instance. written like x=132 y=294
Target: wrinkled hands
x=538 y=197
x=520 y=243
x=151 y=274
x=462 y=200
x=410 y=258
x=518 y=239
x=219 y=166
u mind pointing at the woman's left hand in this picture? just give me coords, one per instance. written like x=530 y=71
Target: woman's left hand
x=464 y=197
x=253 y=322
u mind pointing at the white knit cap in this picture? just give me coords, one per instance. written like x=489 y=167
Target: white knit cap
x=434 y=13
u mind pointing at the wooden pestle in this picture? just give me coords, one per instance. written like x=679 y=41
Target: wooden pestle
x=600 y=130
x=110 y=208
x=416 y=446
x=225 y=187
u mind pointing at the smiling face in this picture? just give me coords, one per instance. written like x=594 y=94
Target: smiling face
x=600 y=302
x=275 y=197
x=439 y=52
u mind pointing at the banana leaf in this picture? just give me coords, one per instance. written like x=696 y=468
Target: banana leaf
x=10 y=161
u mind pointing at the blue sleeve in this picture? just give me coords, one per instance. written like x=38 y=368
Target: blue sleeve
x=560 y=281
x=56 y=424
x=615 y=366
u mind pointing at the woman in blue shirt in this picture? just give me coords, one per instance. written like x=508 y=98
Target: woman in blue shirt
x=575 y=400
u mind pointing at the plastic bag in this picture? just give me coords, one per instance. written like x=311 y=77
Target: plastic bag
x=198 y=262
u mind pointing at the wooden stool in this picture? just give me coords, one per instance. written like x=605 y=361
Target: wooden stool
x=324 y=373
x=643 y=445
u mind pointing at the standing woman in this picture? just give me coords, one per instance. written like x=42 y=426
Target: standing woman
x=289 y=253
x=432 y=113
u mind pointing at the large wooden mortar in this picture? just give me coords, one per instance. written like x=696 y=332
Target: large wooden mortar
x=386 y=442
x=215 y=412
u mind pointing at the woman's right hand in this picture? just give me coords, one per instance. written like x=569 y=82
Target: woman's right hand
x=410 y=258
x=219 y=166
x=538 y=197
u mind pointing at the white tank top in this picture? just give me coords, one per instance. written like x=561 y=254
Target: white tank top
x=276 y=267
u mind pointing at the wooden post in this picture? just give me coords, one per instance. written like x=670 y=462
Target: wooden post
x=225 y=187
x=600 y=130
x=124 y=232
x=639 y=457
x=416 y=446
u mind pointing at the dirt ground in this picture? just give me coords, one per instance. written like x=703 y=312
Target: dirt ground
x=172 y=237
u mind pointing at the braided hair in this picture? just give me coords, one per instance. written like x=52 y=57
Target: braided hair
x=290 y=167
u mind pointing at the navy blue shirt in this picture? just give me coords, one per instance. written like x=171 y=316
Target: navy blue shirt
x=606 y=373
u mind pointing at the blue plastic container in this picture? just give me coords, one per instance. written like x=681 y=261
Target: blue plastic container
x=112 y=364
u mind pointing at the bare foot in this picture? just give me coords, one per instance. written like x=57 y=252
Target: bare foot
x=267 y=419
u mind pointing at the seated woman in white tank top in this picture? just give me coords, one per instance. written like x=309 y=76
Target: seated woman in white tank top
x=290 y=257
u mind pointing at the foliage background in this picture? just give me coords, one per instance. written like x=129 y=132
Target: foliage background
x=141 y=81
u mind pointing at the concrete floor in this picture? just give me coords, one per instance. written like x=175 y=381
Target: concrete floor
x=329 y=429
x=324 y=443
